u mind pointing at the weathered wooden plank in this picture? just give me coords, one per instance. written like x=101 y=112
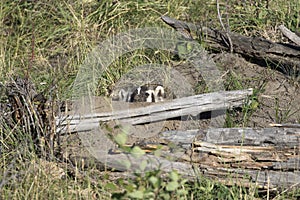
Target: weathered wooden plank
x=243 y=172
x=267 y=157
x=191 y=105
x=133 y=163
x=288 y=137
x=266 y=167
x=265 y=179
x=292 y=163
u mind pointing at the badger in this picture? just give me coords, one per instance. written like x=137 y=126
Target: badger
x=144 y=93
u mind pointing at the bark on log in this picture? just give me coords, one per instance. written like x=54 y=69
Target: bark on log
x=283 y=57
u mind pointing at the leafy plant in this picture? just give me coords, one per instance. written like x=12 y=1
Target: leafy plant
x=153 y=185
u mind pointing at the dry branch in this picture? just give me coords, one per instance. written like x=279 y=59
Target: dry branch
x=284 y=57
x=289 y=34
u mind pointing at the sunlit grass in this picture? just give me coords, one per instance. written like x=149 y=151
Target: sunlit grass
x=49 y=40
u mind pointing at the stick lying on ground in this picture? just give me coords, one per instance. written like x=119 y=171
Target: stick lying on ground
x=289 y=34
x=192 y=105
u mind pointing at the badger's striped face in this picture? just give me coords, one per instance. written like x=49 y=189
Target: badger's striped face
x=159 y=93
x=149 y=96
x=145 y=93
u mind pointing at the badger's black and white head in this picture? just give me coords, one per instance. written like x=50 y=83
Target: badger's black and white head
x=145 y=93
x=159 y=93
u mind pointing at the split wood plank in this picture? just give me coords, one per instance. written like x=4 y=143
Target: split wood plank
x=191 y=105
x=268 y=157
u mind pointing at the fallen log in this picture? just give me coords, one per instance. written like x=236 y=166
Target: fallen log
x=283 y=57
x=192 y=105
x=268 y=157
x=242 y=136
x=262 y=158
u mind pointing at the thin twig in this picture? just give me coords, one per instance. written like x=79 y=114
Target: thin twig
x=286 y=190
x=285 y=125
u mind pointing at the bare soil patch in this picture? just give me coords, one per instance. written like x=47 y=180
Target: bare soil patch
x=279 y=96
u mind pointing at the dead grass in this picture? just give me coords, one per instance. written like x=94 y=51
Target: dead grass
x=48 y=41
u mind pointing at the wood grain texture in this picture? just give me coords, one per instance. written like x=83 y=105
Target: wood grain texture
x=192 y=105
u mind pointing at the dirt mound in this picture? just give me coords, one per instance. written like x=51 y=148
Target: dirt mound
x=278 y=96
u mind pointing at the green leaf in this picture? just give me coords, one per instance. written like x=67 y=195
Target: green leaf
x=254 y=104
x=136 y=194
x=110 y=186
x=154 y=181
x=174 y=176
x=184 y=49
x=143 y=165
x=172 y=186
x=183 y=181
x=149 y=195
x=137 y=152
x=121 y=139
x=164 y=196
x=125 y=163
x=182 y=192
x=130 y=187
